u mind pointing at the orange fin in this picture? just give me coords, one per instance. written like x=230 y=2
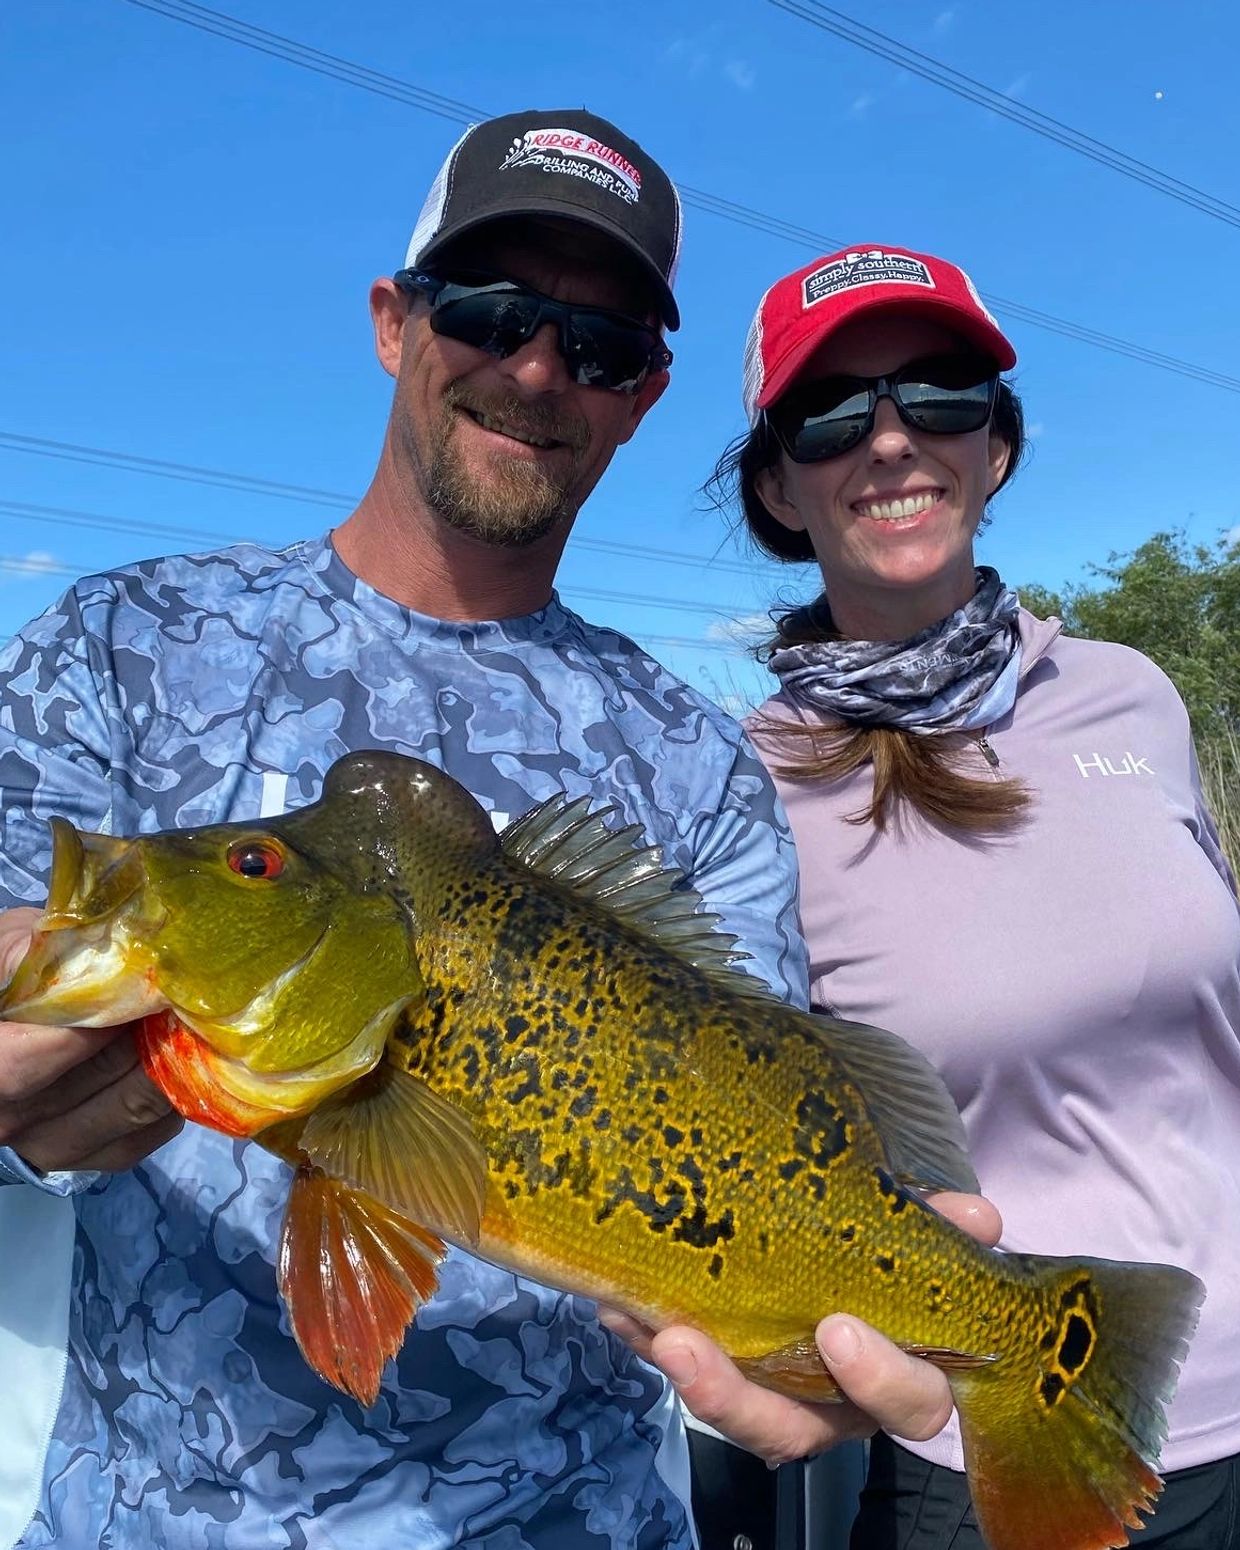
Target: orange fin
x=392 y=1136
x=796 y=1371
x=352 y=1274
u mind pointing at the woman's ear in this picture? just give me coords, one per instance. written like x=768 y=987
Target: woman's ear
x=1000 y=459
x=771 y=490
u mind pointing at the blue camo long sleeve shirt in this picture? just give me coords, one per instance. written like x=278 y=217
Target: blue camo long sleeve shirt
x=222 y=686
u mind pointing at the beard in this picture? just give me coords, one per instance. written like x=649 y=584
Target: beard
x=519 y=501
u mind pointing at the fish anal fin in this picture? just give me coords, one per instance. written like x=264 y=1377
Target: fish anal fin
x=796 y=1370
x=394 y=1137
x=352 y=1274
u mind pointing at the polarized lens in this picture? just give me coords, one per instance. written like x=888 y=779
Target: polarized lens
x=498 y=321
x=606 y=352
x=823 y=419
x=947 y=395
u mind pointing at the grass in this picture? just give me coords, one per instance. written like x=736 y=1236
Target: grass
x=1220 y=779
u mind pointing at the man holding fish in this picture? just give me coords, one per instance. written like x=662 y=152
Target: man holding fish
x=157 y=1395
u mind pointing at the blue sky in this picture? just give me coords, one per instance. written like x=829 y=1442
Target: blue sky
x=190 y=227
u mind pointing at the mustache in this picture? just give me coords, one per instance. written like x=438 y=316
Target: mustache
x=541 y=420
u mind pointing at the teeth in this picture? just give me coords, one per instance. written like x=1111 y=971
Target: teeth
x=891 y=511
x=489 y=424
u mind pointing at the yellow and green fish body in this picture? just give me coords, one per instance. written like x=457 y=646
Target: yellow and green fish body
x=536 y=1047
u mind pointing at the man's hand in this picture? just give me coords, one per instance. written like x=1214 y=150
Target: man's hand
x=73 y=1098
x=885 y=1387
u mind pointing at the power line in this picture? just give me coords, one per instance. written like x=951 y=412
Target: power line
x=277 y=46
x=827 y=19
x=303 y=494
x=37 y=564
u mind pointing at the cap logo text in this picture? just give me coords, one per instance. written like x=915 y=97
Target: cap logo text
x=855 y=269
x=567 y=151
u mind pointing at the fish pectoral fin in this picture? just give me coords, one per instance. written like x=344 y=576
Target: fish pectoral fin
x=797 y=1371
x=352 y=1273
x=394 y=1137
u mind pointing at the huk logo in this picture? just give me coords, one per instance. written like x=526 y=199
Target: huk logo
x=1098 y=764
x=870 y=268
x=567 y=151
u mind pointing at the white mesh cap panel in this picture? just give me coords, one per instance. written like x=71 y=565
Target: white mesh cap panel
x=752 y=373
x=431 y=218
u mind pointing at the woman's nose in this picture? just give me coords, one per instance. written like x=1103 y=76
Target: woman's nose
x=890 y=440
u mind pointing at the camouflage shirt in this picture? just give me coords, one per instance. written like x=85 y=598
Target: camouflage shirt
x=221 y=686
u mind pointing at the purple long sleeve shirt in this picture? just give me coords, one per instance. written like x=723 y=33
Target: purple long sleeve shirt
x=1077 y=983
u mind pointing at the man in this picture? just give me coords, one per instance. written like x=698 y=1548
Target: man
x=160 y=1399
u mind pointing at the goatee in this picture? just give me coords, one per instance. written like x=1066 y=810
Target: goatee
x=520 y=500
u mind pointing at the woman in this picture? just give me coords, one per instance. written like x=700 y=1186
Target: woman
x=1004 y=851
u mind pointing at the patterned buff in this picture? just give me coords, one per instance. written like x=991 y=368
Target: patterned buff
x=949 y=677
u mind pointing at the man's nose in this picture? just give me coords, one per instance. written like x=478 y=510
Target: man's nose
x=538 y=366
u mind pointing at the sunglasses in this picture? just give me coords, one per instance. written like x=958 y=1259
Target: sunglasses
x=601 y=349
x=944 y=395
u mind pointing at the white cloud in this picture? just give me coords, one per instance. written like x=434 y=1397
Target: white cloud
x=1232 y=535
x=1018 y=87
x=944 y=19
x=741 y=73
x=859 y=104
x=38 y=562
x=1032 y=432
x=697 y=56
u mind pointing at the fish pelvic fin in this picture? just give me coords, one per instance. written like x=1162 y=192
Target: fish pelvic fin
x=394 y=1137
x=352 y=1274
x=918 y=1124
x=1061 y=1442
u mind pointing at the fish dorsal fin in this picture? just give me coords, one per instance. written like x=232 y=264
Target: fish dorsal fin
x=394 y=1137
x=615 y=869
x=917 y=1122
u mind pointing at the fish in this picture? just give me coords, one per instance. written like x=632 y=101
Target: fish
x=538 y=1046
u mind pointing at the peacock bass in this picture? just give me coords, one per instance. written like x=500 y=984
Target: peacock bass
x=536 y=1046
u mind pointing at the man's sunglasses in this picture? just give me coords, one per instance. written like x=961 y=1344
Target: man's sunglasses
x=945 y=395
x=600 y=348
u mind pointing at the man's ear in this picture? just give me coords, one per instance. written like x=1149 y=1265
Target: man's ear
x=768 y=484
x=389 y=309
x=646 y=397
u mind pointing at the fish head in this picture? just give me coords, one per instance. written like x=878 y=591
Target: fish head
x=283 y=972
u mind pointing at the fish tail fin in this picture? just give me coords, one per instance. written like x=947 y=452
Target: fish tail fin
x=1061 y=1440
x=352 y=1273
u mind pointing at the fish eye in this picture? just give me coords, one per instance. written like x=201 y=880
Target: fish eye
x=256 y=858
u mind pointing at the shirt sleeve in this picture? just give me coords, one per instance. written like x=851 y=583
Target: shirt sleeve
x=1207 y=830
x=745 y=870
x=55 y=758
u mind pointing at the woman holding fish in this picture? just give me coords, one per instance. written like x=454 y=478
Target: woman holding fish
x=1004 y=850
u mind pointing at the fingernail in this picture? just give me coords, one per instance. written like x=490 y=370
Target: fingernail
x=680 y=1365
x=838 y=1341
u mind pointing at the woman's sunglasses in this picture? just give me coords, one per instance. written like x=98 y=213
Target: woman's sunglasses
x=601 y=349
x=944 y=395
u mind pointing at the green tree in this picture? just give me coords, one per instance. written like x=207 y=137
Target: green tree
x=1179 y=603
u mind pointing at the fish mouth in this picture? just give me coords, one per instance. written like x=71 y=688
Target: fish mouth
x=82 y=968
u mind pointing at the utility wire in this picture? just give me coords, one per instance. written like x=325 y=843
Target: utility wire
x=288 y=49
x=828 y=19
x=60 y=516
x=246 y=483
